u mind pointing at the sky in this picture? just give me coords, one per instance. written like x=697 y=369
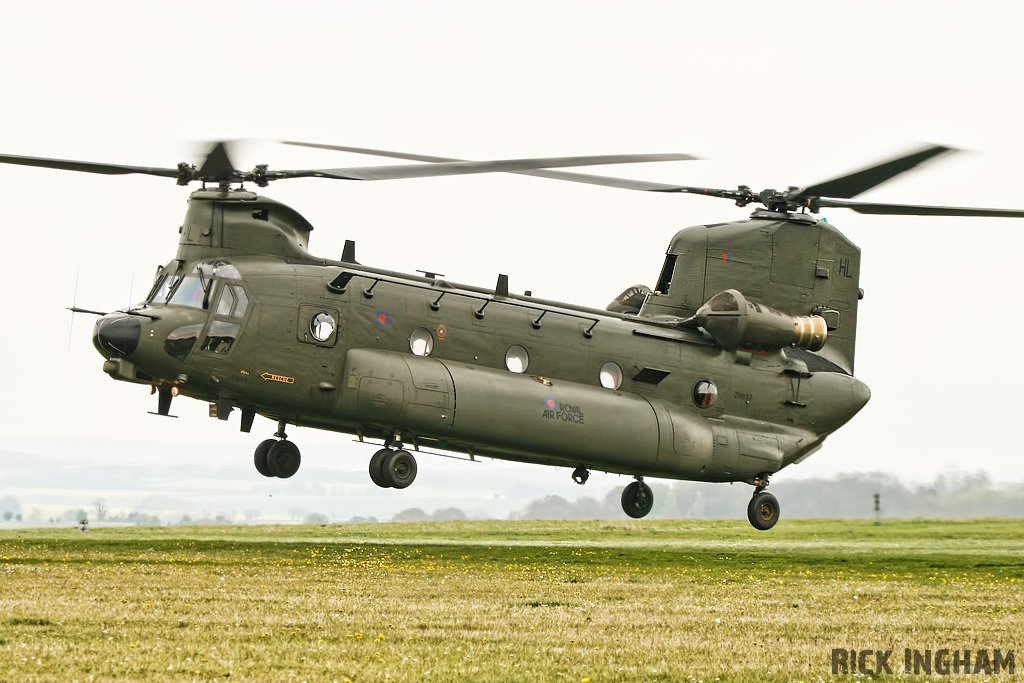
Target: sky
x=767 y=96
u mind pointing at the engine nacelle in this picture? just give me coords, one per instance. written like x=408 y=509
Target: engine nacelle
x=738 y=324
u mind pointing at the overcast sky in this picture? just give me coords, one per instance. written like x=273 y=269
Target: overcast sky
x=769 y=94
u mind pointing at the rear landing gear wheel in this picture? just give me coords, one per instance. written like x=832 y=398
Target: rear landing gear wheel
x=284 y=459
x=637 y=499
x=260 y=457
x=763 y=511
x=399 y=469
x=376 y=469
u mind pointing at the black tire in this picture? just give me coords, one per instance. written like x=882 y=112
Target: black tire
x=399 y=469
x=260 y=458
x=763 y=511
x=377 y=469
x=284 y=459
x=637 y=499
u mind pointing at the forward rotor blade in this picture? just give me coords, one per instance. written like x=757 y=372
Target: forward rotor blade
x=471 y=167
x=853 y=184
x=622 y=183
x=217 y=165
x=918 y=209
x=87 y=166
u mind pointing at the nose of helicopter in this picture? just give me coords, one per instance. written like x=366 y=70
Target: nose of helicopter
x=116 y=335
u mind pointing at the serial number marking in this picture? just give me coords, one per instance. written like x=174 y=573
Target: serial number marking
x=742 y=397
x=270 y=377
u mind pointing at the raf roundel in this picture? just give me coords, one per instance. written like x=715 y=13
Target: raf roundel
x=551 y=404
x=381 y=317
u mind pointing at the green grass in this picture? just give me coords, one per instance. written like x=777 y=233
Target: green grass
x=501 y=601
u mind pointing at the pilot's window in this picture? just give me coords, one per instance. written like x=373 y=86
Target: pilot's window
x=611 y=376
x=517 y=359
x=193 y=291
x=421 y=342
x=220 y=336
x=322 y=326
x=163 y=288
x=226 y=301
x=704 y=393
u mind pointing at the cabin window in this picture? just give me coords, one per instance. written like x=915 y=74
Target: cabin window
x=322 y=326
x=665 y=281
x=704 y=393
x=611 y=376
x=421 y=342
x=517 y=359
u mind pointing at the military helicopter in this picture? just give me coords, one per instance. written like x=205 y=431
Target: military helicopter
x=738 y=363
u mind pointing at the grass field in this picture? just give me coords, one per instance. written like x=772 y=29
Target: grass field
x=502 y=601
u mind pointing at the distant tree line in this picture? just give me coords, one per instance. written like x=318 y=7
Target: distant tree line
x=842 y=497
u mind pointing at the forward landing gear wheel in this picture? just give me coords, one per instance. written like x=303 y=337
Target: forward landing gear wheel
x=637 y=499
x=763 y=511
x=284 y=459
x=260 y=458
x=376 y=469
x=399 y=469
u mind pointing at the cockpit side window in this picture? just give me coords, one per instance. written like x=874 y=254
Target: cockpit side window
x=226 y=301
x=232 y=301
x=241 y=302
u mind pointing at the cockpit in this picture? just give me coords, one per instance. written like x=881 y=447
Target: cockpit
x=211 y=286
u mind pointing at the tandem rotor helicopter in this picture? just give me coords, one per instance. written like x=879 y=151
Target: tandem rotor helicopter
x=737 y=363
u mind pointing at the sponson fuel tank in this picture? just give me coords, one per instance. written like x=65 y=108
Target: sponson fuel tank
x=537 y=418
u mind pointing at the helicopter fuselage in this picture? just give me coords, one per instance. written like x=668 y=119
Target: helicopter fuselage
x=245 y=318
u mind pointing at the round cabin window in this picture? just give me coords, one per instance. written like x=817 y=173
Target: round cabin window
x=517 y=359
x=322 y=326
x=704 y=393
x=611 y=376
x=421 y=342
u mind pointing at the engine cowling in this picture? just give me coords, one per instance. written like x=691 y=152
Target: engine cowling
x=737 y=324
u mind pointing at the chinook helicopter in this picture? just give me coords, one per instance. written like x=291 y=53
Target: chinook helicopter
x=738 y=363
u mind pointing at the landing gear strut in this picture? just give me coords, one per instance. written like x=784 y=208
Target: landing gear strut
x=637 y=499
x=763 y=509
x=277 y=457
x=393 y=469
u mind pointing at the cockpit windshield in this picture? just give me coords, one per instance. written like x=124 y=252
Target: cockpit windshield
x=162 y=288
x=192 y=290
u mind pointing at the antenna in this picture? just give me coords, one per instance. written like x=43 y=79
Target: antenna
x=74 y=304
